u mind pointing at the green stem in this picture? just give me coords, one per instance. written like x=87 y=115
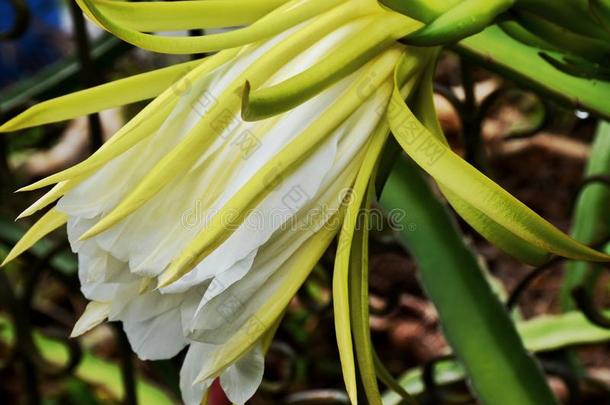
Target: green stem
x=497 y=51
x=591 y=220
x=476 y=325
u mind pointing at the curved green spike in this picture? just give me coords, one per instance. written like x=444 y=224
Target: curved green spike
x=117 y=93
x=50 y=197
x=380 y=33
x=280 y=19
x=465 y=19
x=150 y=16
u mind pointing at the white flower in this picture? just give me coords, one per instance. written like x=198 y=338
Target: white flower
x=195 y=228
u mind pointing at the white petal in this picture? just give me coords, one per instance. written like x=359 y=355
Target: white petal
x=156 y=338
x=195 y=358
x=217 y=319
x=218 y=280
x=95 y=313
x=241 y=380
x=147 y=305
x=92 y=282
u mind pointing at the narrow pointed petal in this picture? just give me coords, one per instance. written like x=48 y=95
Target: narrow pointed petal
x=46 y=224
x=423 y=108
x=148 y=16
x=452 y=172
x=113 y=94
x=359 y=299
x=95 y=313
x=282 y=18
x=50 y=197
x=140 y=126
x=600 y=9
x=342 y=261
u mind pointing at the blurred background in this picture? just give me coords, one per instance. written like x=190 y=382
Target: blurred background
x=535 y=149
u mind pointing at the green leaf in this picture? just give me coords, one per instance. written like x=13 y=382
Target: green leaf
x=576 y=66
x=572 y=15
x=540 y=334
x=566 y=41
x=600 y=9
x=496 y=50
x=91 y=368
x=475 y=323
x=552 y=332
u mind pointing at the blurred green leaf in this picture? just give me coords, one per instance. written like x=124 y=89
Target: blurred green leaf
x=91 y=369
x=499 y=52
x=543 y=333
